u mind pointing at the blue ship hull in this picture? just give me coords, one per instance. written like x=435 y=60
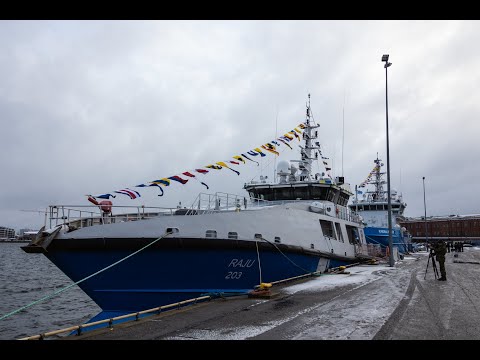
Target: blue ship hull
x=377 y=235
x=163 y=275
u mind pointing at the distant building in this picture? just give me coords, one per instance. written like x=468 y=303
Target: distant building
x=449 y=228
x=7 y=233
x=27 y=234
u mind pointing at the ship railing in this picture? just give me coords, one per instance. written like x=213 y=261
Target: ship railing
x=79 y=216
x=221 y=201
x=342 y=213
x=351 y=215
x=375 y=250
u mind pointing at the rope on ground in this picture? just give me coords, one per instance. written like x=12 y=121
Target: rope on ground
x=80 y=281
x=466 y=262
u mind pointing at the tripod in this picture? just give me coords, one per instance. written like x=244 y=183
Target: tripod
x=434 y=265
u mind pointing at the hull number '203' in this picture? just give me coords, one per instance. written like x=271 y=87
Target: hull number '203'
x=233 y=275
x=240 y=263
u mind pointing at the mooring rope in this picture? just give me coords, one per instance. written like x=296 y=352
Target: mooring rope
x=259 y=265
x=82 y=280
x=372 y=239
x=403 y=244
x=307 y=271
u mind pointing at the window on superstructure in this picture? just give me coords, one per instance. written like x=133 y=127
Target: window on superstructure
x=258 y=236
x=352 y=234
x=232 y=235
x=211 y=234
x=330 y=194
x=327 y=228
x=277 y=240
x=339 y=232
x=300 y=193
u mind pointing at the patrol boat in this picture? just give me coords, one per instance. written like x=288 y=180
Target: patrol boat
x=223 y=244
x=373 y=208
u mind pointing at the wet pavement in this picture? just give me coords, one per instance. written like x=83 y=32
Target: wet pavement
x=377 y=302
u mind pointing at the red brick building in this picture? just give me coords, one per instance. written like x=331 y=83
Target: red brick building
x=450 y=228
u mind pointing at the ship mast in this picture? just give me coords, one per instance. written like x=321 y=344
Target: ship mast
x=378 y=194
x=305 y=165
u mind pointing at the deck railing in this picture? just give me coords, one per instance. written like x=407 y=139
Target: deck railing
x=80 y=216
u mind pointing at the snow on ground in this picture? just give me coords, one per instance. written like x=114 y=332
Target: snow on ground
x=356 y=313
x=357 y=274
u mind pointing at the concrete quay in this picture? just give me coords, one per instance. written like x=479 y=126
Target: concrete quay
x=370 y=302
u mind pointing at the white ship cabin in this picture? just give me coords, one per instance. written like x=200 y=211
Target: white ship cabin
x=292 y=187
x=370 y=203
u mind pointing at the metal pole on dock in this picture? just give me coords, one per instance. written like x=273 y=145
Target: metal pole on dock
x=425 y=207
x=390 y=241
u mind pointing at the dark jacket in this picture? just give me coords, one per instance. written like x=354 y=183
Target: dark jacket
x=440 y=250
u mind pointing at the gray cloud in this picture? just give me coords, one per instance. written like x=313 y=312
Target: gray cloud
x=95 y=106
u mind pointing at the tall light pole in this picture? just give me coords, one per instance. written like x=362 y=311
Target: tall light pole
x=390 y=241
x=425 y=207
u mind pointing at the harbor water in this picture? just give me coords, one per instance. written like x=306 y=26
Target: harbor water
x=25 y=278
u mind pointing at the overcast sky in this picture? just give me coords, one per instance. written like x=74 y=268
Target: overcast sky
x=89 y=107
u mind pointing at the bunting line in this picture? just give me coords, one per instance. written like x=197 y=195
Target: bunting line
x=271 y=147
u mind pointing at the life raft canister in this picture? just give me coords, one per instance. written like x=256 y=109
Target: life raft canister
x=92 y=200
x=106 y=206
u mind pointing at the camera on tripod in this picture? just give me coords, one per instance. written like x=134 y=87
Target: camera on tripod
x=434 y=264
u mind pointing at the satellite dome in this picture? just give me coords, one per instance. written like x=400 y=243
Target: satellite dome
x=283 y=167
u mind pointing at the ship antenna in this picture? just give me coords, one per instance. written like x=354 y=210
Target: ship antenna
x=308 y=110
x=343 y=127
x=275 y=160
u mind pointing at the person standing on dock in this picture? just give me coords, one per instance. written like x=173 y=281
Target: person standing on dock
x=440 y=249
